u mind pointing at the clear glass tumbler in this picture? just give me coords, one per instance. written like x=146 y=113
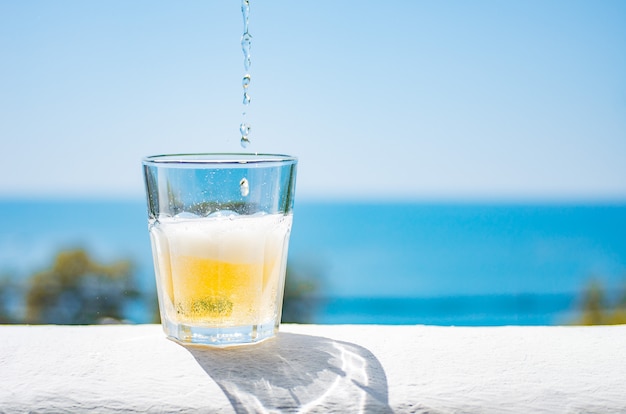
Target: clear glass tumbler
x=219 y=226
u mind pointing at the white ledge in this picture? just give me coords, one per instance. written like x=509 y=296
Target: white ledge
x=316 y=368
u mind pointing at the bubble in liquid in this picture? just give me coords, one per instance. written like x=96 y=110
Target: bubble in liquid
x=244 y=187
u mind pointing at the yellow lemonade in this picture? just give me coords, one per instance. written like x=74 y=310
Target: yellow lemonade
x=221 y=271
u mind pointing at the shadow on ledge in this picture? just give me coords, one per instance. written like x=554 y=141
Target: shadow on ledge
x=294 y=372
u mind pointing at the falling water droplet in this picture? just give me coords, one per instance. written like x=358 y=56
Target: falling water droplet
x=246 y=45
x=244 y=187
x=245 y=82
x=244 y=129
x=246 y=98
x=245 y=142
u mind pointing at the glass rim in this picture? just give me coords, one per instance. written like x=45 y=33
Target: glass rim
x=221 y=158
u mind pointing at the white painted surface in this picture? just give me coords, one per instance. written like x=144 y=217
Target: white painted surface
x=316 y=368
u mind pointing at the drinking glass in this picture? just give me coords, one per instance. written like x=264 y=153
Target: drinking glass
x=219 y=226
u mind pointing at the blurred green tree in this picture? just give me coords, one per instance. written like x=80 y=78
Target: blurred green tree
x=596 y=308
x=299 y=301
x=76 y=289
x=7 y=291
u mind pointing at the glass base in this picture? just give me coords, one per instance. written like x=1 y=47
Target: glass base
x=219 y=336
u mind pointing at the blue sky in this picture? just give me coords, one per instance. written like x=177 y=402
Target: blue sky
x=472 y=100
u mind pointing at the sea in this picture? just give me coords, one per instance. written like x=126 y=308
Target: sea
x=465 y=264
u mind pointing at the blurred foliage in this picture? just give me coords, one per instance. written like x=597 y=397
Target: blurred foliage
x=78 y=290
x=74 y=289
x=299 y=301
x=597 y=309
x=7 y=291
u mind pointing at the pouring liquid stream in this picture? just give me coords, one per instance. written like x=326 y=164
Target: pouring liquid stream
x=246 y=43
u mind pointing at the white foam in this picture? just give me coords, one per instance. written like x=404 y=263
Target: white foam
x=239 y=239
